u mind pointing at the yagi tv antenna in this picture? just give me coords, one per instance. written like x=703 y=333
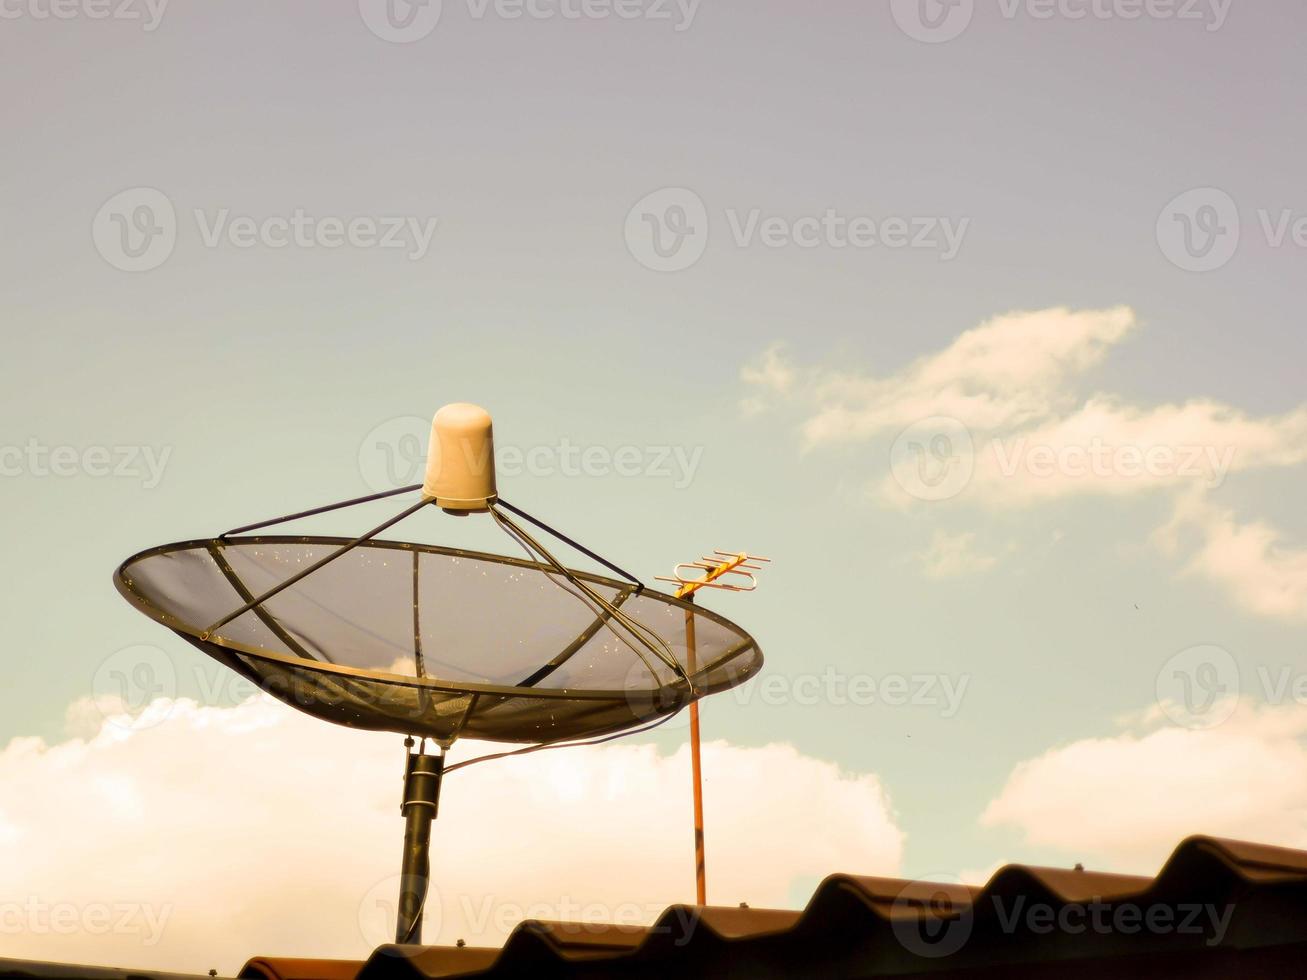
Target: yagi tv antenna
x=441 y=643
x=733 y=572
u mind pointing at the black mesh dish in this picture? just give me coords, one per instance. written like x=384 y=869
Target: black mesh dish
x=434 y=642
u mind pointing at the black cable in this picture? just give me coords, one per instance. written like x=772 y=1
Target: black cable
x=319 y=510
x=563 y=744
x=566 y=540
x=632 y=626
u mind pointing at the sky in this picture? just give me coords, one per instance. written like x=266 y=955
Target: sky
x=980 y=320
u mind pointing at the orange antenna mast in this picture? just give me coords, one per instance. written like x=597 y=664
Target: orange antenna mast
x=730 y=571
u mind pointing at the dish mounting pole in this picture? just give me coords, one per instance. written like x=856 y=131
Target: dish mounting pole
x=422 y=775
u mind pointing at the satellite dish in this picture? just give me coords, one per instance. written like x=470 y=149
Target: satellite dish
x=440 y=643
x=436 y=642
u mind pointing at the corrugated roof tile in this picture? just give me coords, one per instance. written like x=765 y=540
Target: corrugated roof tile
x=1248 y=904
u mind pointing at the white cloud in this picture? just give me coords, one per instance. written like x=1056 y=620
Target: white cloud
x=227 y=832
x=995 y=419
x=950 y=555
x=771 y=372
x=1106 y=447
x=771 y=375
x=1011 y=382
x=1011 y=369
x=1261 y=573
x=1129 y=799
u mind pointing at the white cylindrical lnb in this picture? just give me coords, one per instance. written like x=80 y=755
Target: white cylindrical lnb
x=461 y=459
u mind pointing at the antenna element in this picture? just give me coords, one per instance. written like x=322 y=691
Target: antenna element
x=715 y=568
